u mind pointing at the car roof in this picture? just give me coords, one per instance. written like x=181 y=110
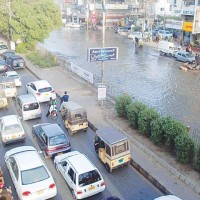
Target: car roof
x=75 y=158
x=27 y=98
x=15 y=56
x=52 y=130
x=10 y=119
x=110 y=135
x=41 y=83
x=11 y=73
x=168 y=197
x=70 y=105
x=32 y=159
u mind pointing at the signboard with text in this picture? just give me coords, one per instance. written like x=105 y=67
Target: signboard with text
x=187 y=26
x=101 y=91
x=102 y=54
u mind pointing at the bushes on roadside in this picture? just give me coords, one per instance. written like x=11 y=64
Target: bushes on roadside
x=133 y=111
x=121 y=103
x=145 y=118
x=165 y=131
x=157 y=133
x=184 y=148
x=196 y=161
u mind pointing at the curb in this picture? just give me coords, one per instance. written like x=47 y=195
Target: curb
x=141 y=170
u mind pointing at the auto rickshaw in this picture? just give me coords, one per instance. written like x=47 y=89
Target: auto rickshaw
x=3 y=99
x=113 y=148
x=74 y=117
x=8 y=85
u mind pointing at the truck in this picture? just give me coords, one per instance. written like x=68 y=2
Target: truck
x=167 y=48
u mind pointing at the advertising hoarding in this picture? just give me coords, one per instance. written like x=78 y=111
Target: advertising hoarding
x=196 y=25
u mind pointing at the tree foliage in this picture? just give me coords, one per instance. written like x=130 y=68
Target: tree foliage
x=30 y=21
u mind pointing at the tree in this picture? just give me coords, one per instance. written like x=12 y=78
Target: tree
x=29 y=21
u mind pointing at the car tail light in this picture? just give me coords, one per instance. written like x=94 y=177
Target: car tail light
x=103 y=183
x=79 y=192
x=37 y=93
x=53 y=91
x=53 y=185
x=26 y=193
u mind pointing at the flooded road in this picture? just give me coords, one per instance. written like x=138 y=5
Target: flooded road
x=155 y=80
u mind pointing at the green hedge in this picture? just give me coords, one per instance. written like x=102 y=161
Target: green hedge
x=121 y=103
x=196 y=163
x=145 y=118
x=161 y=130
x=133 y=111
x=157 y=133
x=184 y=148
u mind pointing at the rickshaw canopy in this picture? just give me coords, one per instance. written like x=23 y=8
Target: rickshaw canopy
x=110 y=136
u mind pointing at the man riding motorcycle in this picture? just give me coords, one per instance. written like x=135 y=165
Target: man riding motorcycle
x=52 y=108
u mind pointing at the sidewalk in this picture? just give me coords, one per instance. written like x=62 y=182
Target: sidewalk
x=156 y=170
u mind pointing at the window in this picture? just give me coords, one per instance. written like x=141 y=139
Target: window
x=47 y=89
x=13 y=128
x=31 y=106
x=14 y=167
x=88 y=178
x=58 y=139
x=162 y=9
x=108 y=150
x=72 y=175
x=174 y=2
x=34 y=175
x=121 y=148
x=79 y=116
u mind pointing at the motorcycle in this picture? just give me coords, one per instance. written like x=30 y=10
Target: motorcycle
x=53 y=111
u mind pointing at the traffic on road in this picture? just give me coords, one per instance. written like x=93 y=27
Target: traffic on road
x=115 y=184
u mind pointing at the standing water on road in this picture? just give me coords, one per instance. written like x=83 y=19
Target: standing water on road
x=144 y=74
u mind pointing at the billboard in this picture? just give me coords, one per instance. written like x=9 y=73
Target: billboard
x=174 y=24
x=196 y=25
x=102 y=54
x=187 y=26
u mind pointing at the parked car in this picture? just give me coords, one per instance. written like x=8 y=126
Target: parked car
x=15 y=62
x=83 y=178
x=41 y=90
x=6 y=54
x=30 y=176
x=164 y=34
x=15 y=76
x=167 y=48
x=184 y=57
x=3 y=48
x=168 y=197
x=51 y=139
x=11 y=129
x=3 y=66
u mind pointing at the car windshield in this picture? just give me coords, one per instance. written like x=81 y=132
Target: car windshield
x=31 y=106
x=13 y=128
x=34 y=175
x=14 y=76
x=123 y=147
x=58 y=139
x=18 y=61
x=188 y=55
x=88 y=178
x=46 y=89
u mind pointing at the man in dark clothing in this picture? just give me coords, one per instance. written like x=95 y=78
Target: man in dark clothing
x=65 y=97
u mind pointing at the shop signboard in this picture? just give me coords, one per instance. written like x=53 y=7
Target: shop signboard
x=184 y=12
x=196 y=25
x=102 y=54
x=174 y=24
x=187 y=26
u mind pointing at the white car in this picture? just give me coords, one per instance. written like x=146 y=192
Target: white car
x=81 y=175
x=11 y=129
x=30 y=176
x=41 y=90
x=167 y=197
x=15 y=76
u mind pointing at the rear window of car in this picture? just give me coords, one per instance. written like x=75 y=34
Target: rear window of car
x=31 y=106
x=34 y=175
x=13 y=128
x=46 y=89
x=14 y=76
x=89 y=178
x=3 y=47
x=58 y=139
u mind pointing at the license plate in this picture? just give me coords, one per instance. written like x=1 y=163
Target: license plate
x=40 y=192
x=60 y=153
x=13 y=136
x=32 y=116
x=91 y=187
x=47 y=94
x=121 y=160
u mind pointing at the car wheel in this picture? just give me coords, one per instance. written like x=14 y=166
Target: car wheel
x=73 y=194
x=56 y=166
x=108 y=168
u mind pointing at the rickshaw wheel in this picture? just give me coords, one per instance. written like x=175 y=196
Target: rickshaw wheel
x=108 y=168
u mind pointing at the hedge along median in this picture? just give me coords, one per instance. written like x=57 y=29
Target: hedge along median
x=166 y=132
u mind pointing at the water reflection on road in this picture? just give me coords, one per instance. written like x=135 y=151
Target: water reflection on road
x=146 y=76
